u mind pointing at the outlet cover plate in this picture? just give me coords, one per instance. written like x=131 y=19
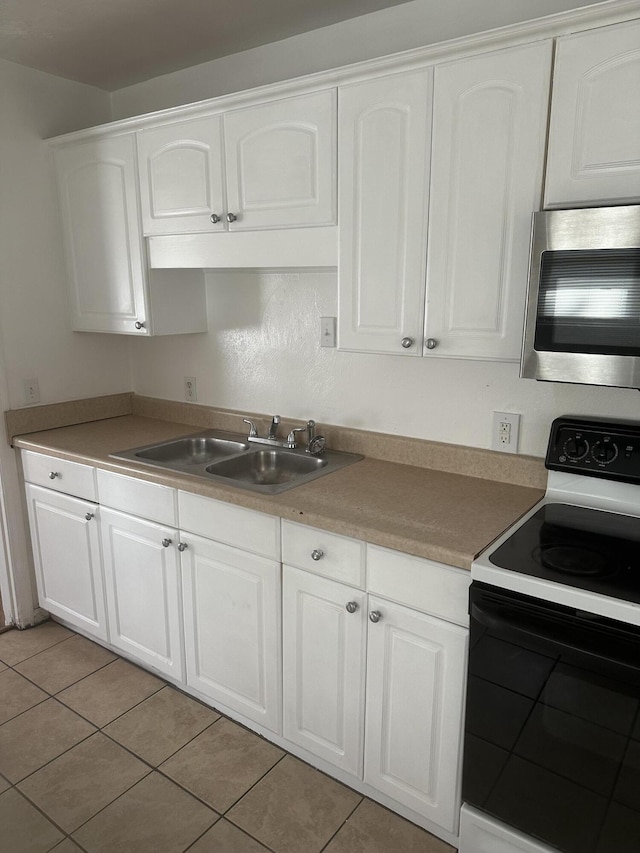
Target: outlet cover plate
x=190 y=389
x=505 y=432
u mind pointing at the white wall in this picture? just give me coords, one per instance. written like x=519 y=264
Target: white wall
x=262 y=354
x=410 y=25
x=36 y=337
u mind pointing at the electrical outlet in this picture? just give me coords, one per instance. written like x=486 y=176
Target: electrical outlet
x=327 y=331
x=190 y=390
x=31 y=391
x=506 y=431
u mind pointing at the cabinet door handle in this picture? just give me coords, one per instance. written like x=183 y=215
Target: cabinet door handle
x=182 y=546
x=215 y=218
x=432 y=343
x=375 y=616
x=166 y=543
x=53 y=475
x=407 y=343
x=351 y=606
x=138 y=325
x=89 y=516
x=231 y=217
x=316 y=554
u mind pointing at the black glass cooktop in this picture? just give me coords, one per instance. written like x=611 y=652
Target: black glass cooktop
x=585 y=548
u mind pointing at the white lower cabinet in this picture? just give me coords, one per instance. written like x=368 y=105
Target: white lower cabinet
x=232 y=628
x=143 y=590
x=355 y=655
x=415 y=689
x=324 y=644
x=66 y=555
x=407 y=723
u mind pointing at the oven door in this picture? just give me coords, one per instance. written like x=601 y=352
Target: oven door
x=552 y=733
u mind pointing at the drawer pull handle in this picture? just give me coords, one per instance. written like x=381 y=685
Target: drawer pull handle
x=166 y=543
x=182 y=546
x=351 y=606
x=375 y=616
x=316 y=554
x=53 y=475
x=89 y=516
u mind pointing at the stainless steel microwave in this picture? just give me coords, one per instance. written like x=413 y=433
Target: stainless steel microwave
x=583 y=309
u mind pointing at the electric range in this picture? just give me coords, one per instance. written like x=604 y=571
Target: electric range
x=552 y=733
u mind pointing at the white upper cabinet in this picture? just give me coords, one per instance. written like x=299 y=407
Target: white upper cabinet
x=110 y=287
x=103 y=242
x=594 y=139
x=489 y=130
x=278 y=169
x=181 y=178
x=384 y=127
x=281 y=163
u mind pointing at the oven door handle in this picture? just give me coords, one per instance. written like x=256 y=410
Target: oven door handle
x=584 y=635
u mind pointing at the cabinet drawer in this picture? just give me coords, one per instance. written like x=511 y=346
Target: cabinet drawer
x=128 y=494
x=336 y=557
x=59 y=475
x=421 y=584
x=233 y=525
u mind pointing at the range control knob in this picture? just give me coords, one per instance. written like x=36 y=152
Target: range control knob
x=576 y=447
x=604 y=451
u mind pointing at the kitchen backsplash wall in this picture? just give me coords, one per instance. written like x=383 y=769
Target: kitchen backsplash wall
x=263 y=354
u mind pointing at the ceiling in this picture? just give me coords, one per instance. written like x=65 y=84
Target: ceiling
x=116 y=43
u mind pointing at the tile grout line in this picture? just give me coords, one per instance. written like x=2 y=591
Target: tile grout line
x=46 y=648
x=343 y=824
x=151 y=768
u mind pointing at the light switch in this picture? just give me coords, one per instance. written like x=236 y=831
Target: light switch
x=327 y=331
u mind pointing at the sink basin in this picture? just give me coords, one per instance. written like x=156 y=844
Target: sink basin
x=188 y=453
x=273 y=467
x=231 y=459
x=195 y=450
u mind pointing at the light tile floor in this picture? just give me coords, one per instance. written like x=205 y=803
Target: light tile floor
x=101 y=756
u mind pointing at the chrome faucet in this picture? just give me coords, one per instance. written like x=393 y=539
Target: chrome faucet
x=315 y=443
x=273 y=429
x=271 y=437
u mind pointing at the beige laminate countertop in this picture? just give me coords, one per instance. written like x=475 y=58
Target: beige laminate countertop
x=442 y=516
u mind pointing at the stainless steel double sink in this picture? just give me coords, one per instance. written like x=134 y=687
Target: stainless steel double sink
x=232 y=459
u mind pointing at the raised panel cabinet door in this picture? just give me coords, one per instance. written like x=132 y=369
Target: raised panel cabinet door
x=105 y=253
x=594 y=137
x=143 y=590
x=489 y=131
x=181 y=177
x=232 y=628
x=385 y=129
x=281 y=163
x=66 y=554
x=324 y=634
x=415 y=690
